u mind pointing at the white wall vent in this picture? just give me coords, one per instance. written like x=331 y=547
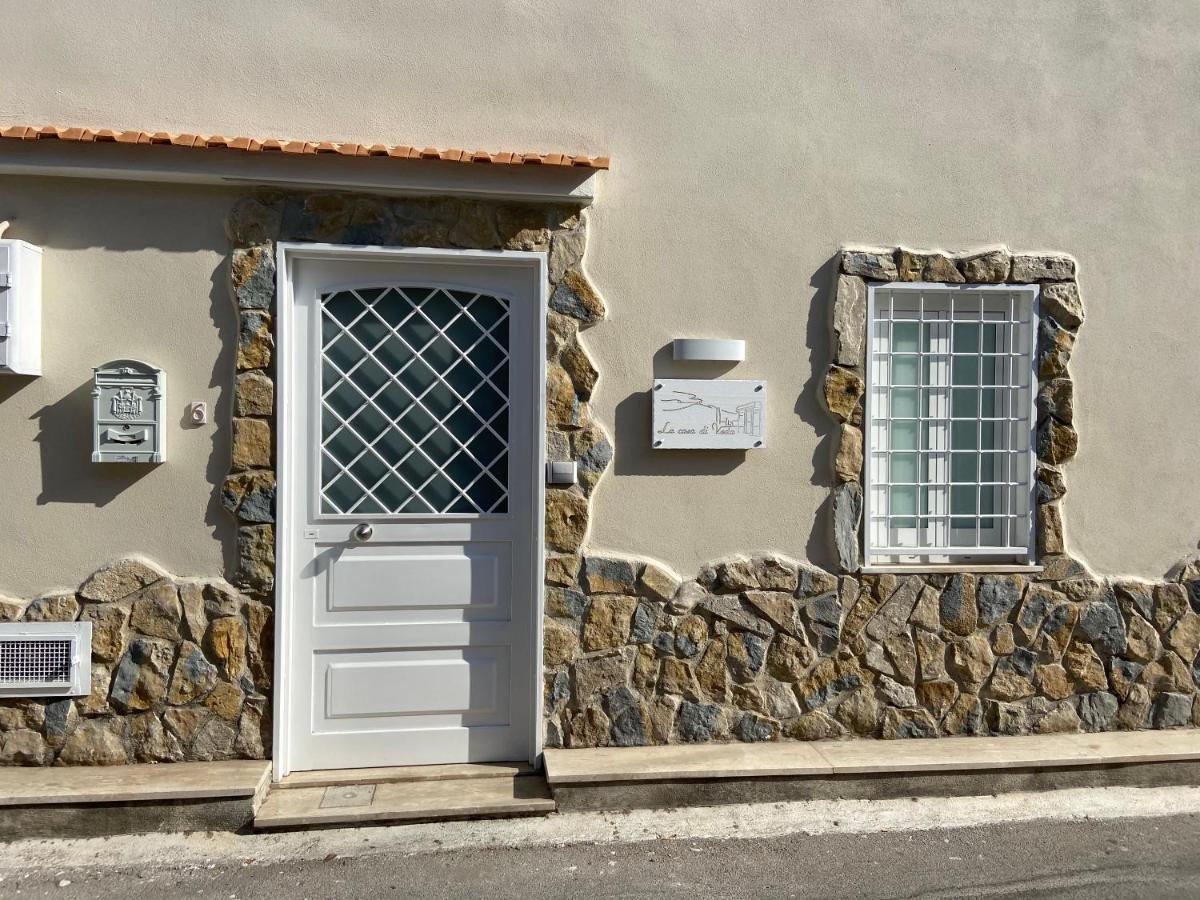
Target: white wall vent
x=45 y=659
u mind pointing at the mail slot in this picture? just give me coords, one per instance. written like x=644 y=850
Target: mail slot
x=129 y=398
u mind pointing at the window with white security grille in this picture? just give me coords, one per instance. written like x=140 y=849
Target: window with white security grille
x=414 y=402
x=950 y=418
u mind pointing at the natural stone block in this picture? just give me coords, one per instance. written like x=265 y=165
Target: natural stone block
x=96 y=742
x=850 y=321
x=119 y=579
x=965 y=716
x=475 y=228
x=22 y=747
x=53 y=608
x=847 y=514
x=157 y=612
x=876 y=264
x=729 y=609
x=562 y=569
x=150 y=742
x=193 y=677
x=711 y=672
x=658 y=582
x=1084 y=666
x=1172 y=710
x=764 y=571
x=971 y=660
x=255 y=395
x=697 y=722
x=895 y=693
x=140 y=679
x=687 y=597
x=903 y=653
x=847 y=466
x=522 y=228
x=608 y=623
x=1104 y=627
x=1097 y=710
x=989 y=267
x=1007 y=718
x=1056 y=398
x=1168 y=673
x=843 y=389
x=777 y=607
x=256 y=345
x=1055 y=345
x=1184 y=637
x=859 y=712
x=1170 y=602
x=956 y=606
x=1056 y=443
x=11 y=609
x=574 y=296
x=254 y=219
x=1062 y=719
x=1061 y=302
x=1050 y=484
x=746 y=653
x=931 y=656
x=560 y=644
x=1052 y=681
x=677 y=677
x=1123 y=675
x=596 y=675
x=581 y=369
x=604 y=575
x=251 y=444
x=214 y=740
x=814 y=726
x=630 y=718
x=562 y=403
x=566 y=251
x=566 y=603
x=252 y=270
x=1028 y=268
x=893 y=615
x=907 y=723
x=1056 y=630
x=256 y=558
x=1002 y=640
x=225 y=700
x=831 y=678
x=226 y=644
x=937 y=696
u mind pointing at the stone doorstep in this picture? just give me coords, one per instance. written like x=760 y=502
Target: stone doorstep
x=405 y=801
x=458 y=771
x=87 y=785
x=569 y=768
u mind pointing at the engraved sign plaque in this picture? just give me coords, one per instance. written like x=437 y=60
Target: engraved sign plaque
x=127 y=425
x=703 y=414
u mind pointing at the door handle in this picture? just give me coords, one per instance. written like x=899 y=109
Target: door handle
x=363 y=533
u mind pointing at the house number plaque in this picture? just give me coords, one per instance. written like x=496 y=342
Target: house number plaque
x=703 y=414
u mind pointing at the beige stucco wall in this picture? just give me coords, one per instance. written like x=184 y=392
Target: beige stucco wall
x=748 y=141
x=128 y=271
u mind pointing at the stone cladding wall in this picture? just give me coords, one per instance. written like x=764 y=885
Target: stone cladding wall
x=762 y=647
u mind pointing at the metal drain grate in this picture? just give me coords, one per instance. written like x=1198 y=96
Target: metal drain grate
x=35 y=662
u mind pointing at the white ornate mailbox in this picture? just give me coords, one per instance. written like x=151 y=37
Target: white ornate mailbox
x=699 y=414
x=130 y=397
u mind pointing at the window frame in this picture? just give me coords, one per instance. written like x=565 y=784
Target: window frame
x=875 y=559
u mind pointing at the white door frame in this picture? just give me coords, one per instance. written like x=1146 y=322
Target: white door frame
x=287 y=252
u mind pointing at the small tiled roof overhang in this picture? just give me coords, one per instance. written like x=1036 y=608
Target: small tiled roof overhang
x=296 y=148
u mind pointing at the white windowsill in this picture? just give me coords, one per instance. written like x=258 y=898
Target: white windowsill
x=950 y=569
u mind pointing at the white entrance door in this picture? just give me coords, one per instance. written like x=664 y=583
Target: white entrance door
x=412 y=426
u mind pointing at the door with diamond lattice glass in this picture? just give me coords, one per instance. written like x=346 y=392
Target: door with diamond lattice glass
x=418 y=385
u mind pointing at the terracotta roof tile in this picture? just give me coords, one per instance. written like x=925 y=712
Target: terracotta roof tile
x=299 y=148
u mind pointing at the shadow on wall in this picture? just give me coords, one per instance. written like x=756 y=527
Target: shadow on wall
x=65 y=446
x=820 y=548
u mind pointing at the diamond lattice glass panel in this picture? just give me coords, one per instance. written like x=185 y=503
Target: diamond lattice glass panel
x=414 y=402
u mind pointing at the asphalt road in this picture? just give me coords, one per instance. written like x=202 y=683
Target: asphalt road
x=1122 y=858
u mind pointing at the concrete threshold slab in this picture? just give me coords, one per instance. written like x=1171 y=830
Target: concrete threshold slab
x=712 y=774
x=99 y=801
x=457 y=771
x=133 y=784
x=405 y=801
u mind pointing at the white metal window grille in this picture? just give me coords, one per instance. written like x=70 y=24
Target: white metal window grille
x=414 y=402
x=950 y=418
x=45 y=659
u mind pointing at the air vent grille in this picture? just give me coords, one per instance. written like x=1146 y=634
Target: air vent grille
x=32 y=662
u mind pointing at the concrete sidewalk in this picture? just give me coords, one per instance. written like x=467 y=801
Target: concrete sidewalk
x=1075 y=844
x=1035 y=857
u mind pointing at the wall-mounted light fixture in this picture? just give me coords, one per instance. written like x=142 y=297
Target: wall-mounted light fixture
x=709 y=349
